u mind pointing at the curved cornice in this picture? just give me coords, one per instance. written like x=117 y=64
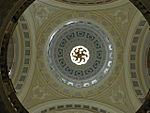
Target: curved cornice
x=143 y=64
x=136 y=20
x=74 y=104
x=18 y=45
x=85 y=8
x=28 y=56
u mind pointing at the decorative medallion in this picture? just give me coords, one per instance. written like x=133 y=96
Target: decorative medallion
x=80 y=54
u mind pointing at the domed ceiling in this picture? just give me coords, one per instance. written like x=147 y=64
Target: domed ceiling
x=80 y=59
x=80 y=53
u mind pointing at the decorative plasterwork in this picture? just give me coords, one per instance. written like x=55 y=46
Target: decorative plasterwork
x=120 y=15
x=72 y=111
x=47 y=75
x=85 y=7
x=145 y=60
x=26 y=55
x=86 y=2
x=22 y=48
x=72 y=105
x=80 y=34
x=132 y=63
x=112 y=90
x=23 y=73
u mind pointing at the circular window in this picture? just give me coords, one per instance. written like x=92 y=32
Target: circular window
x=80 y=54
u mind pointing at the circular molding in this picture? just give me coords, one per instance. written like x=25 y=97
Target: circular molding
x=99 y=6
x=144 y=61
x=27 y=52
x=86 y=2
x=74 y=111
x=14 y=103
x=83 y=37
x=23 y=56
x=17 y=42
x=131 y=60
x=76 y=104
x=48 y=77
x=134 y=60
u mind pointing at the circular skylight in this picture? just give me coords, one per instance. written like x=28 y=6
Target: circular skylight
x=80 y=54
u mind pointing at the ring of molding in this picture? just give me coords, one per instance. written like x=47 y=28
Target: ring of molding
x=133 y=90
x=18 y=46
x=134 y=56
x=100 y=47
x=61 y=88
x=87 y=2
x=27 y=55
x=85 y=8
x=144 y=76
x=74 y=104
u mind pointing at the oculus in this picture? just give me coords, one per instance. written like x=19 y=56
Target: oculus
x=80 y=54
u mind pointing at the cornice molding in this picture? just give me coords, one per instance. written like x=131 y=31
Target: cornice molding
x=85 y=8
x=74 y=104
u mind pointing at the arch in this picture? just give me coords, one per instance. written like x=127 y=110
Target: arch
x=65 y=104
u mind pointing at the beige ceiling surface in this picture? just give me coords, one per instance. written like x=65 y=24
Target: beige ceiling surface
x=85 y=5
x=72 y=111
x=86 y=2
x=41 y=86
